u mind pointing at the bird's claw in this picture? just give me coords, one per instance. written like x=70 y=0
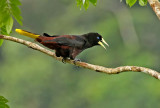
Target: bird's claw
x=76 y=60
x=64 y=60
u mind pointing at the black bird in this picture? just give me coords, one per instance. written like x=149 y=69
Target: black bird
x=67 y=46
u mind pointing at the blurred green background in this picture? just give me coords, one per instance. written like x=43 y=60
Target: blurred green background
x=30 y=79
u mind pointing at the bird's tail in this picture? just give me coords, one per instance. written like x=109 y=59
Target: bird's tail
x=26 y=33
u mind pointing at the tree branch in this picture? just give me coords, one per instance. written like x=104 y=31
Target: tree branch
x=83 y=64
x=155 y=4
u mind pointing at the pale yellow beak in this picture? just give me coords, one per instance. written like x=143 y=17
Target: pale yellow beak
x=105 y=42
x=100 y=43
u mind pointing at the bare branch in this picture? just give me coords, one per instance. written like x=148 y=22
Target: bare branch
x=155 y=4
x=83 y=64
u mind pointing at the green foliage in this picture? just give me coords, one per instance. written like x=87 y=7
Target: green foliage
x=85 y=3
x=58 y=85
x=143 y=2
x=132 y=2
x=94 y=2
x=1 y=41
x=3 y=102
x=8 y=10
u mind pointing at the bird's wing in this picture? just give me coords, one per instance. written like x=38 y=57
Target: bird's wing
x=67 y=40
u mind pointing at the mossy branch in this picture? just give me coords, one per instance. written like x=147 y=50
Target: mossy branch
x=83 y=64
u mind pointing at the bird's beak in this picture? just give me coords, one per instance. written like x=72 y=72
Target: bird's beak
x=105 y=42
x=100 y=43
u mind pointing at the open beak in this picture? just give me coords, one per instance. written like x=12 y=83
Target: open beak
x=105 y=42
x=100 y=43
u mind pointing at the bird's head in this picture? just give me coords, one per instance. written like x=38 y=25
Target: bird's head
x=95 y=39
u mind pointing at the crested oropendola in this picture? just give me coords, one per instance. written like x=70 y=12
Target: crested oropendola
x=67 y=46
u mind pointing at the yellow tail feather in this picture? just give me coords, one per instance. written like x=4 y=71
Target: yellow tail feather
x=26 y=33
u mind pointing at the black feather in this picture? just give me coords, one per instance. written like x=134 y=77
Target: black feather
x=47 y=35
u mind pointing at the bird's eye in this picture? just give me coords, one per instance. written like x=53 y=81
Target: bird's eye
x=98 y=38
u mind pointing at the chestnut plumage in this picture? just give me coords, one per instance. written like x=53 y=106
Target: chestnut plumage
x=67 y=46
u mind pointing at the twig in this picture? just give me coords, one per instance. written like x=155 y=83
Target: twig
x=83 y=64
x=155 y=4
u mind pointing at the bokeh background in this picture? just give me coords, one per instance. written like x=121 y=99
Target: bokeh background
x=30 y=79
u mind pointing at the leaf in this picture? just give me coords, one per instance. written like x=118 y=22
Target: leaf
x=2 y=5
x=3 y=30
x=79 y=3
x=3 y=105
x=1 y=42
x=143 y=2
x=8 y=10
x=4 y=17
x=86 y=4
x=94 y=2
x=3 y=100
x=5 y=26
x=16 y=11
x=9 y=25
x=6 y=29
x=131 y=2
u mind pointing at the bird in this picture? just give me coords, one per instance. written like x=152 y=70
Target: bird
x=67 y=46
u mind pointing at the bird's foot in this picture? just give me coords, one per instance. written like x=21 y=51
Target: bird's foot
x=64 y=60
x=76 y=60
